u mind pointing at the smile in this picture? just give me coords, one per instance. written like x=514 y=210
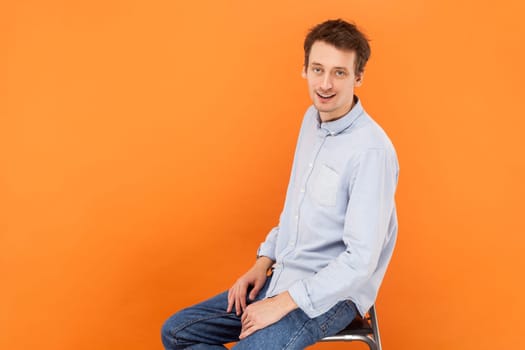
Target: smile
x=325 y=97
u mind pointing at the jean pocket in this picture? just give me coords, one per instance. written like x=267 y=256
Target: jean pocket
x=337 y=318
x=324 y=187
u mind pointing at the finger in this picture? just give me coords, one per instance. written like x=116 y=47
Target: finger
x=231 y=299
x=255 y=291
x=242 y=296
x=243 y=302
x=238 y=304
x=247 y=315
x=247 y=331
x=248 y=324
x=243 y=334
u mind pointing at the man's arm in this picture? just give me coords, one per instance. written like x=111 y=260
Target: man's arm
x=255 y=277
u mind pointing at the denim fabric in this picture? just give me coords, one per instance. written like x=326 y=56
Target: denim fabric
x=207 y=325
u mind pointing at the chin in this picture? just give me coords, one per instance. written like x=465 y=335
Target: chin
x=323 y=108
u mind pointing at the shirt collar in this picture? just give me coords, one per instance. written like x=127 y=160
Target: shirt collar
x=335 y=127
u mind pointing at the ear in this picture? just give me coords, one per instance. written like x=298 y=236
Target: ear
x=359 y=79
x=303 y=72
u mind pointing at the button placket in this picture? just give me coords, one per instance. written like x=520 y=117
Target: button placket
x=304 y=181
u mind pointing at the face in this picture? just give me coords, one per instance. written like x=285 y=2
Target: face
x=331 y=80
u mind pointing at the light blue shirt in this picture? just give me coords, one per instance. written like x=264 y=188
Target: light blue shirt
x=338 y=228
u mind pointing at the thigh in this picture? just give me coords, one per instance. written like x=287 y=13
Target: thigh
x=335 y=319
x=297 y=331
x=206 y=322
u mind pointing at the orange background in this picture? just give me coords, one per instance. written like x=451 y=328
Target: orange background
x=146 y=147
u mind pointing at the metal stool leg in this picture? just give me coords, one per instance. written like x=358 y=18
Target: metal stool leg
x=375 y=326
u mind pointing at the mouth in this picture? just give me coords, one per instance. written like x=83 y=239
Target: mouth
x=324 y=97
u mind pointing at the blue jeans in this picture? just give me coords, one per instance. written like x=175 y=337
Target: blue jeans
x=208 y=326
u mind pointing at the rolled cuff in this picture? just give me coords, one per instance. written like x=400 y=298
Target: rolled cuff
x=266 y=250
x=299 y=294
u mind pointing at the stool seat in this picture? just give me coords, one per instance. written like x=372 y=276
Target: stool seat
x=358 y=326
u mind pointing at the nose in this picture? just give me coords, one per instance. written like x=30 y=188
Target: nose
x=326 y=82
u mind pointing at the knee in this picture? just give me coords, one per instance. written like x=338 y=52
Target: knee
x=168 y=333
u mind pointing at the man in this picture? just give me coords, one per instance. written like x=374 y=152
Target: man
x=337 y=231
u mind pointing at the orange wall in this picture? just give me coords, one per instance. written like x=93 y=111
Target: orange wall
x=146 y=146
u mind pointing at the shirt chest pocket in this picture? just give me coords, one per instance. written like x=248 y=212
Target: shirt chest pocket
x=324 y=186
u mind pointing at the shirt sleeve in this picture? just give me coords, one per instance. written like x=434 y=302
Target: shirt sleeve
x=368 y=215
x=267 y=248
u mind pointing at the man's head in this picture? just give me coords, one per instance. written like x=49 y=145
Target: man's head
x=335 y=57
x=344 y=36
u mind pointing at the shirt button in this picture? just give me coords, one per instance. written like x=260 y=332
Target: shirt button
x=296 y=217
x=302 y=190
x=310 y=165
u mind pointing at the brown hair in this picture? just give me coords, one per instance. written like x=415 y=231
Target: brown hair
x=342 y=35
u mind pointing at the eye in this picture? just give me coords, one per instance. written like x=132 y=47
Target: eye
x=340 y=73
x=317 y=70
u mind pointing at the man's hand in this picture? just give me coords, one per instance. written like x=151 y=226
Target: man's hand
x=255 y=277
x=265 y=312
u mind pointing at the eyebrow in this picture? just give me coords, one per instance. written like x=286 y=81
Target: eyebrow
x=319 y=64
